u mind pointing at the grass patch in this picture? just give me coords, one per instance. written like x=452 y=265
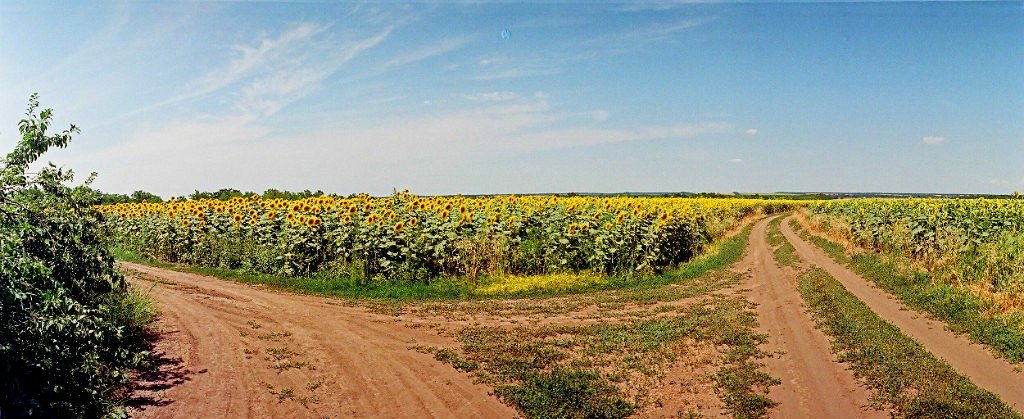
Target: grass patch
x=961 y=310
x=721 y=254
x=903 y=374
x=603 y=370
x=782 y=250
x=785 y=255
x=774 y=236
x=567 y=393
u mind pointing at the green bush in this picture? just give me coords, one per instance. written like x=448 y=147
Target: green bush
x=71 y=333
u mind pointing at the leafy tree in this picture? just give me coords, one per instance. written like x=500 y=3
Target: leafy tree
x=143 y=196
x=70 y=328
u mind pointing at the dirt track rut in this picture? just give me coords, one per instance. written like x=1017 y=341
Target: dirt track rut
x=813 y=385
x=224 y=344
x=970 y=359
x=236 y=350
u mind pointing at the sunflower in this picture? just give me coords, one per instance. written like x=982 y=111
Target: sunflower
x=399 y=226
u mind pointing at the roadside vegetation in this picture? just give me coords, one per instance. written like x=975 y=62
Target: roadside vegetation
x=71 y=331
x=957 y=303
x=977 y=245
x=904 y=375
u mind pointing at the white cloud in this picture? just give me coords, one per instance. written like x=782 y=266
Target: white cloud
x=299 y=74
x=624 y=41
x=515 y=73
x=431 y=50
x=499 y=59
x=1021 y=181
x=660 y=5
x=932 y=140
x=735 y=161
x=498 y=96
x=750 y=132
x=385 y=99
x=997 y=181
x=359 y=151
x=278 y=70
x=600 y=115
x=575 y=137
x=168 y=142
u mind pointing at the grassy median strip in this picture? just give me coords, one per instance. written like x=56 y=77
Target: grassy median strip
x=962 y=311
x=903 y=374
x=603 y=370
x=782 y=250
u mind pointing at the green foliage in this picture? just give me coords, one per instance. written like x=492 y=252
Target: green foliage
x=408 y=238
x=70 y=335
x=329 y=283
x=567 y=393
x=970 y=240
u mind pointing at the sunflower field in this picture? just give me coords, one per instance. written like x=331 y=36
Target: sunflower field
x=978 y=241
x=405 y=237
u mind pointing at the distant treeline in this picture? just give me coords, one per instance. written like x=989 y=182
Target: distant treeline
x=228 y=193
x=222 y=194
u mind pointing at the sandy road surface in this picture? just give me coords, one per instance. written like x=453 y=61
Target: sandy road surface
x=813 y=385
x=233 y=350
x=970 y=359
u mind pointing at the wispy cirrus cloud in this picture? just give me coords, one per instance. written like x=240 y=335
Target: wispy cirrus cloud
x=299 y=74
x=660 y=5
x=636 y=38
x=430 y=50
x=498 y=96
x=401 y=145
x=515 y=73
x=275 y=70
x=932 y=140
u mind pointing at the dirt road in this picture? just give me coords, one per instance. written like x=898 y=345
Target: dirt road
x=234 y=350
x=813 y=385
x=970 y=359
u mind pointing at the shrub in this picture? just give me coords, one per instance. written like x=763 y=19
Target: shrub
x=70 y=331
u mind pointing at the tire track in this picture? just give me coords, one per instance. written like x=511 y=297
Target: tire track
x=970 y=359
x=345 y=361
x=814 y=384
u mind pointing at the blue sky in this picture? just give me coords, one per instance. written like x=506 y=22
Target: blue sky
x=648 y=96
